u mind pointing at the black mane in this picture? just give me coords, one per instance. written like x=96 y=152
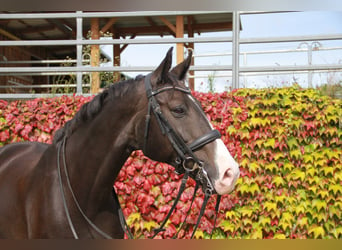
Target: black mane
x=91 y=109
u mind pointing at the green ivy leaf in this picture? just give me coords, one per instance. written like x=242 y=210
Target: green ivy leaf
x=227 y=226
x=292 y=142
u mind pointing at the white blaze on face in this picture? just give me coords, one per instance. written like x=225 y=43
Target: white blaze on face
x=227 y=167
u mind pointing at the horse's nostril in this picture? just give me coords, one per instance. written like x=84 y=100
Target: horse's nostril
x=228 y=174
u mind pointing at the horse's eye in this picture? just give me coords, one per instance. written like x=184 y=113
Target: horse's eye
x=178 y=111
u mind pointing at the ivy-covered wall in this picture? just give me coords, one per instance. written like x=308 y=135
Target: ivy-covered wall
x=288 y=142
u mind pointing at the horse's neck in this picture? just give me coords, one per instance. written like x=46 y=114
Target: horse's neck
x=97 y=150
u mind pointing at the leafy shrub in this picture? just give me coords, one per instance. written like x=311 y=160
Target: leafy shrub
x=288 y=142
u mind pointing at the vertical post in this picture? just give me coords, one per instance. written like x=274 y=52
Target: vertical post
x=191 y=46
x=180 y=34
x=79 y=37
x=116 y=57
x=95 y=56
x=310 y=63
x=236 y=49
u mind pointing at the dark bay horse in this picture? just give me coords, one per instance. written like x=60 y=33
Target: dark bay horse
x=44 y=189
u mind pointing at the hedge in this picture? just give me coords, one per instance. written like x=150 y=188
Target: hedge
x=288 y=142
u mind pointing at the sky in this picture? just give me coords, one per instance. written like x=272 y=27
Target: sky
x=256 y=26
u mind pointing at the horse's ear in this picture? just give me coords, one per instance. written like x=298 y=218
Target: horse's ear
x=181 y=69
x=160 y=75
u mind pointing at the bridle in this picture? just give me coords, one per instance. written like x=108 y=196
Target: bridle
x=186 y=163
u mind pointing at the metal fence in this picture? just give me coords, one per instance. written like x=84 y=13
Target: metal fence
x=234 y=66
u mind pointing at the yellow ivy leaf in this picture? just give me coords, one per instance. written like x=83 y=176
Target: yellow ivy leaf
x=332 y=154
x=270 y=143
x=296 y=154
x=254 y=188
x=317 y=231
x=297 y=174
x=319 y=205
x=231 y=130
x=278 y=181
x=257 y=234
x=300 y=209
x=247 y=222
x=132 y=218
x=246 y=212
x=320 y=163
x=288 y=166
x=245 y=163
x=254 y=167
x=243 y=188
x=338 y=176
x=337 y=232
x=287 y=217
x=285 y=225
x=280 y=199
x=303 y=222
x=323 y=194
x=321 y=217
x=311 y=171
x=269 y=206
x=149 y=225
x=279 y=236
x=199 y=234
x=327 y=170
x=271 y=167
x=278 y=155
x=308 y=158
x=318 y=155
x=264 y=221
x=313 y=189
x=335 y=189
x=232 y=215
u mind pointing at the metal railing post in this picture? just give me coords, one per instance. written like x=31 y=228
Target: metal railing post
x=236 y=49
x=79 y=37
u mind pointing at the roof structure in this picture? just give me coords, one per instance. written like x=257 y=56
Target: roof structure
x=121 y=27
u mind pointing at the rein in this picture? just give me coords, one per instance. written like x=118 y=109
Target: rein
x=186 y=162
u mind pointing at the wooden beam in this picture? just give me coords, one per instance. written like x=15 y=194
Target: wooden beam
x=125 y=45
x=180 y=34
x=35 y=29
x=9 y=35
x=153 y=24
x=168 y=24
x=109 y=24
x=95 y=56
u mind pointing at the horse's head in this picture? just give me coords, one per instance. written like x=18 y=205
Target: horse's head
x=178 y=124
